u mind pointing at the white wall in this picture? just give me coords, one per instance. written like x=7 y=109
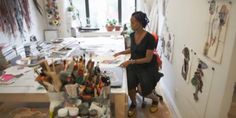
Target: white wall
x=64 y=28
x=37 y=26
x=188 y=21
x=231 y=82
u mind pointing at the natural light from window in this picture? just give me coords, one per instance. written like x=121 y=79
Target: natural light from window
x=101 y=10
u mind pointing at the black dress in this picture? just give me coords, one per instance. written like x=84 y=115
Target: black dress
x=143 y=74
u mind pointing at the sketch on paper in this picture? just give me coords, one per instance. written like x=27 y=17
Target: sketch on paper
x=163 y=44
x=198 y=83
x=164 y=7
x=186 y=65
x=218 y=22
x=196 y=80
x=169 y=45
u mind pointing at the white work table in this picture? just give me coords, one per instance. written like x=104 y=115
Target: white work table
x=23 y=89
x=26 y=89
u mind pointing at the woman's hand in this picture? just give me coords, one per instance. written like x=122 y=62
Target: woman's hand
x=117 y=54
x=125 y=64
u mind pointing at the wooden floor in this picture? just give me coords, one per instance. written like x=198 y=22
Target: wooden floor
x=232 y=113
x=163 y=111
x=24 y=110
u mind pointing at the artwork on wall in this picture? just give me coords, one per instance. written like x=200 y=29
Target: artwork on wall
x=197 y=86
x=52 y=11
x=163 y=44
x=168 y=44
x=164 y=7
x=186 y=65
x=14 y=16
x=219 y=12
x=196 y=80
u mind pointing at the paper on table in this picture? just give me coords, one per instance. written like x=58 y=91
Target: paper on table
x=7 y=77
x=110 y=60
x=17 y=70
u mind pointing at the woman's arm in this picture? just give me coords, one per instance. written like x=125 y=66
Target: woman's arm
x=146 y=59
x=127 y=51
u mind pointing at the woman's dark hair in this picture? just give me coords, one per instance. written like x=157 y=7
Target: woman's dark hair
x=141 y=17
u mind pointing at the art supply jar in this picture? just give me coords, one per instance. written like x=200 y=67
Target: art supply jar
x=84 y=113
x=73 y=112
x=93 y=113
x=27 y=50
x=62 y=113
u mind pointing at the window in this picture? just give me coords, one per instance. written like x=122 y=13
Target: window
x=100 y=10
x=128 y=7
x=80 y=5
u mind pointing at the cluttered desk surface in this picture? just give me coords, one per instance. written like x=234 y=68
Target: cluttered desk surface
x=20 y=79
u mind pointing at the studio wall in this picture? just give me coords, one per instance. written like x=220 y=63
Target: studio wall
x=188 y=21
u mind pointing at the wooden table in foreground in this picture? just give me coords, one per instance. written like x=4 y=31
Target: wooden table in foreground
x=28 y=93
x=25 y=88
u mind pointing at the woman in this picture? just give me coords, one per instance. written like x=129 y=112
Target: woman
x=141 y=69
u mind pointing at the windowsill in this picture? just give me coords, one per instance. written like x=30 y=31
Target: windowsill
x=101 y=32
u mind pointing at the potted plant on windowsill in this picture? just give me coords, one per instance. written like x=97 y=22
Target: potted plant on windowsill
x=110 y=25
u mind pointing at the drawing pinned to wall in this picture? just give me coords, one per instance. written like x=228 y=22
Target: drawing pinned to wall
x=186 y=65
x=52 y=11
x=190 y=90
x=169 y=45
x=163 y=37
x=197 y=81
x=164 y=7
x=212 y=7
x=219 y=12
x=163 y=44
